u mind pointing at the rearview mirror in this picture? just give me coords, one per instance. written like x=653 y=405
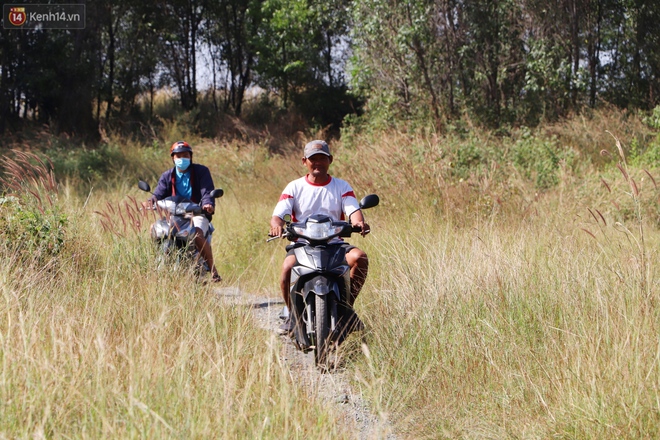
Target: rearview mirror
x=144 y=186
x=217 y=193
x=369 y=201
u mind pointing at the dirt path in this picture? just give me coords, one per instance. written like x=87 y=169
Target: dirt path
x=333 y=388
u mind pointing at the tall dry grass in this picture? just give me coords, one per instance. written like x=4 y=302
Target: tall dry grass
x=494 y=309
x=100 y=344
x=527 y=330
x=535 y=319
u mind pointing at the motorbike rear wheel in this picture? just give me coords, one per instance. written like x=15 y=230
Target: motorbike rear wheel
x=322 y=326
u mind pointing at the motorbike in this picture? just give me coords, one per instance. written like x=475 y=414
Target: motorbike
x=320 y=284
x=173 y=231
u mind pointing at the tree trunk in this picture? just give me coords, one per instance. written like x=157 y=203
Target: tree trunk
x=194 y=23
x=244 y=81
x=575 y=32
x=285 y=80
x=594 y=56
x=4 y=86
x=328 y=57
x=75 y=115
x=111 y=66
x=421 y=59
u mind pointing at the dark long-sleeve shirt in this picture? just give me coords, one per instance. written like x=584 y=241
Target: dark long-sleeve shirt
x=200 y=180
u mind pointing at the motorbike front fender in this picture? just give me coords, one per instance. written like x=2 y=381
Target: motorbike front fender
x=167 y=245
x=321 y=285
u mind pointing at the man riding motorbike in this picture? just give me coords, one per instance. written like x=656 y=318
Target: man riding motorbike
x=192 y=181
x=319 y=193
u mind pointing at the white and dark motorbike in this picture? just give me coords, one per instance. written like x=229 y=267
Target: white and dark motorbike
x=320 y=284
x=173 y=230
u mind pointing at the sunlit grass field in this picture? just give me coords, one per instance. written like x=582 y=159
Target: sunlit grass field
x=498 y=305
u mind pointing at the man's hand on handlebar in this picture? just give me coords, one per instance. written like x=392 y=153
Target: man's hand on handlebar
x=276 y=227
x=364 y=227
x=276 y=231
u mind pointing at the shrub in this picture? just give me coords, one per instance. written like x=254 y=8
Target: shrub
x=650 y=155
x=30 y=228
x=31 y=224
x=468 y=158
x=539 y=159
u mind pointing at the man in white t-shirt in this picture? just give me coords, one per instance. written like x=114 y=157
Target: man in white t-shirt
x=319 y=193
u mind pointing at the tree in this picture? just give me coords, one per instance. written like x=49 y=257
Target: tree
x=178 y=24
x=231 y=27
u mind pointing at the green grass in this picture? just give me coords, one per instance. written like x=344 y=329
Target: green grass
x=495 y=307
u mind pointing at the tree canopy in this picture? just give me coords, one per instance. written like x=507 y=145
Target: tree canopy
x=502 y=62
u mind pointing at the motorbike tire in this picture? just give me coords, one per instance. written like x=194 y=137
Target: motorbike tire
x=322 y=326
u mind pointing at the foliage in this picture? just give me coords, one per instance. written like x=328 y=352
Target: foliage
x=426 y=63
x=31 y=231
x=89 y=164
x=504 y=63
x=327 y=106
x=109 y=163
x=539 y=158
x=127 y=52
x=640 y=154
x=653 y=120
x=32 y=225
x=468 y=159
x=545 y=74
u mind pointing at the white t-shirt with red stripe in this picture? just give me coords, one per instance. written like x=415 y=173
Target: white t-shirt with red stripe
x=301 y=199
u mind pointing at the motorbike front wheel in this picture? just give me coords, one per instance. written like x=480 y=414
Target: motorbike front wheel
x=322 y=326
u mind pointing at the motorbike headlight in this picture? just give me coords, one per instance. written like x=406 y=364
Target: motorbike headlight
x=317 y=231
x=181 y=208
x=167 y=205
x=160 y=230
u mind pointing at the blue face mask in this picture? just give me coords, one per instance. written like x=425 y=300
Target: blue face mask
x=182 y=163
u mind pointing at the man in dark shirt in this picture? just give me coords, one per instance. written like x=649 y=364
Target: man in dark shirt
x=192 y=181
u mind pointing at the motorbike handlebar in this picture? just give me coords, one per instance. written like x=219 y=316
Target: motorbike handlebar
x=358 y=229
x=148 y=206
x=285 y=234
